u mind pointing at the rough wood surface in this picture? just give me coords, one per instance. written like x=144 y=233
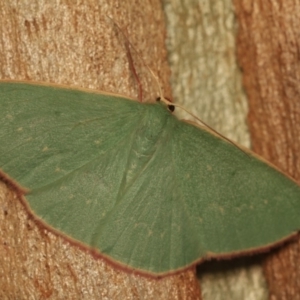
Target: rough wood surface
x=205 y=74
x=73 y=43
x=268 y=50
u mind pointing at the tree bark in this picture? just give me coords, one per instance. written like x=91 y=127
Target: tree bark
x=268 y=50
x=75 y=44
x=207 y=80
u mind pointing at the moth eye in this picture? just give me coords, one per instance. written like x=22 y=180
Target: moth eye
x=171 y=108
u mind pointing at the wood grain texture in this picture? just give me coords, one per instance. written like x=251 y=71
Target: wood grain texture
x=207 y=80
x=268 y=50
x=73 y=43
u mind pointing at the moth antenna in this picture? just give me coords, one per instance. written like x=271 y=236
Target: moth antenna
x=128 y=44
x=157 y=82
x=133 y=70
x=161 y=97
x=202 y=123
x=130 y=60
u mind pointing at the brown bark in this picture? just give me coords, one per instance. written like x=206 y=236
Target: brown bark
x=268 y=50
x=75 y=44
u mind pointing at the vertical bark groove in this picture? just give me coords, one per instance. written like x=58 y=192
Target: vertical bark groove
x=268 y=51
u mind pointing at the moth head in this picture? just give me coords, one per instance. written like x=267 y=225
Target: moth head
x=168 y=103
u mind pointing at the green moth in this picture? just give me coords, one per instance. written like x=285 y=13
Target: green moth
x=134 y=184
